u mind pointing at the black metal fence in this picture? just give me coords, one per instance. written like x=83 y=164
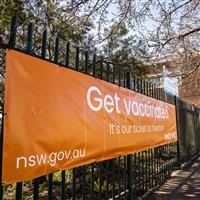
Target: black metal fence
x=189 y=130
x=125 y=177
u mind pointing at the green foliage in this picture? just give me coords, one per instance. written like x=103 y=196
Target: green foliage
x=104 y=186
x=126 y=50
x=44 y=14
x=68 y=176
x=50 y=14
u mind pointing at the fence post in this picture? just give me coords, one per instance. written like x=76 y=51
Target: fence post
x=13 y=32
x=11 y=44
x=29 y=42
x=1 y=153
x=195 y=128
x=77 y=58
x=67 y=54
x=44 y=44
x=178 y=131
x=129 y=157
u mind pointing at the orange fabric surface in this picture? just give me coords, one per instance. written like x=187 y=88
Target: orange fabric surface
x=57 y=118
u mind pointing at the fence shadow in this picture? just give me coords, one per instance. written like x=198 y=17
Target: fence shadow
x=184 y=185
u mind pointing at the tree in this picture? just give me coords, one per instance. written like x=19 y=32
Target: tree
x=45 y=15
x=49 y=15
x=124 y=50
x=169 y=27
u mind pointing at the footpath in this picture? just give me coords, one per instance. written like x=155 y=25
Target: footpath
x=183 y=185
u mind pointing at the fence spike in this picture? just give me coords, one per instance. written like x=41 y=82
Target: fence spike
x=44 y=44
x=13 y=33
x=29 y=42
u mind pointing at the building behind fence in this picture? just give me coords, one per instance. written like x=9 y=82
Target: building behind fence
x=125 y=177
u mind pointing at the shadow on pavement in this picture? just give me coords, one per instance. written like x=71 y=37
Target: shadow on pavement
x=185 y=184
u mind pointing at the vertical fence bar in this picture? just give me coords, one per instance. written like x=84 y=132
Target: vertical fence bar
x=107 y=179
x=62 y=172
x=177 y=127
x=124 y=174
x=83 y=182
x=135 y=174
x=29 y=38
x=143 y=187
x=56 y=51
x=139 y=172
x=137 y=89
x=168 y=163
x=50 y=176
x=77 y=59
x=74 y=184
x=157 y=91
x=107 y=72
x=125 y=157
x=160 y=96
x=1 y=153
x=143 y=89
x=129 y=157
x=36 y=188
x=92 y=170
x=124 y=78
x=43 y=55
x=144 y=86
x=119 y=76
x=149 y=169
x=13 y=33
x=84 y=167
x=29 y=50
x=63 y=185
x=114 y=74
x=101 y=68
x=86 y=62
x=94 y=65
x=134 y=83
x=119 y=177
x=147 y=85
x=92 y=181
x=44 y=44
x=165 y=164
x=152 y=94
x=152 y=168
x=157 y=166
x=19 y=191
x=11 y=44
x=67 y=54
x=141 y=85
x=146 y=172
x=100 y=180
x=113 y=178
x=50 y=186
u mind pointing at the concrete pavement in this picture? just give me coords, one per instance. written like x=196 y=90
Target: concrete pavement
x=184 y=184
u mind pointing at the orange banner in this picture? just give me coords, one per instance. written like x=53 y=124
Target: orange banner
x=57 y=118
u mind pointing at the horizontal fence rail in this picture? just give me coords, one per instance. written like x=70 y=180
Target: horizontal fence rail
x=125 y=177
